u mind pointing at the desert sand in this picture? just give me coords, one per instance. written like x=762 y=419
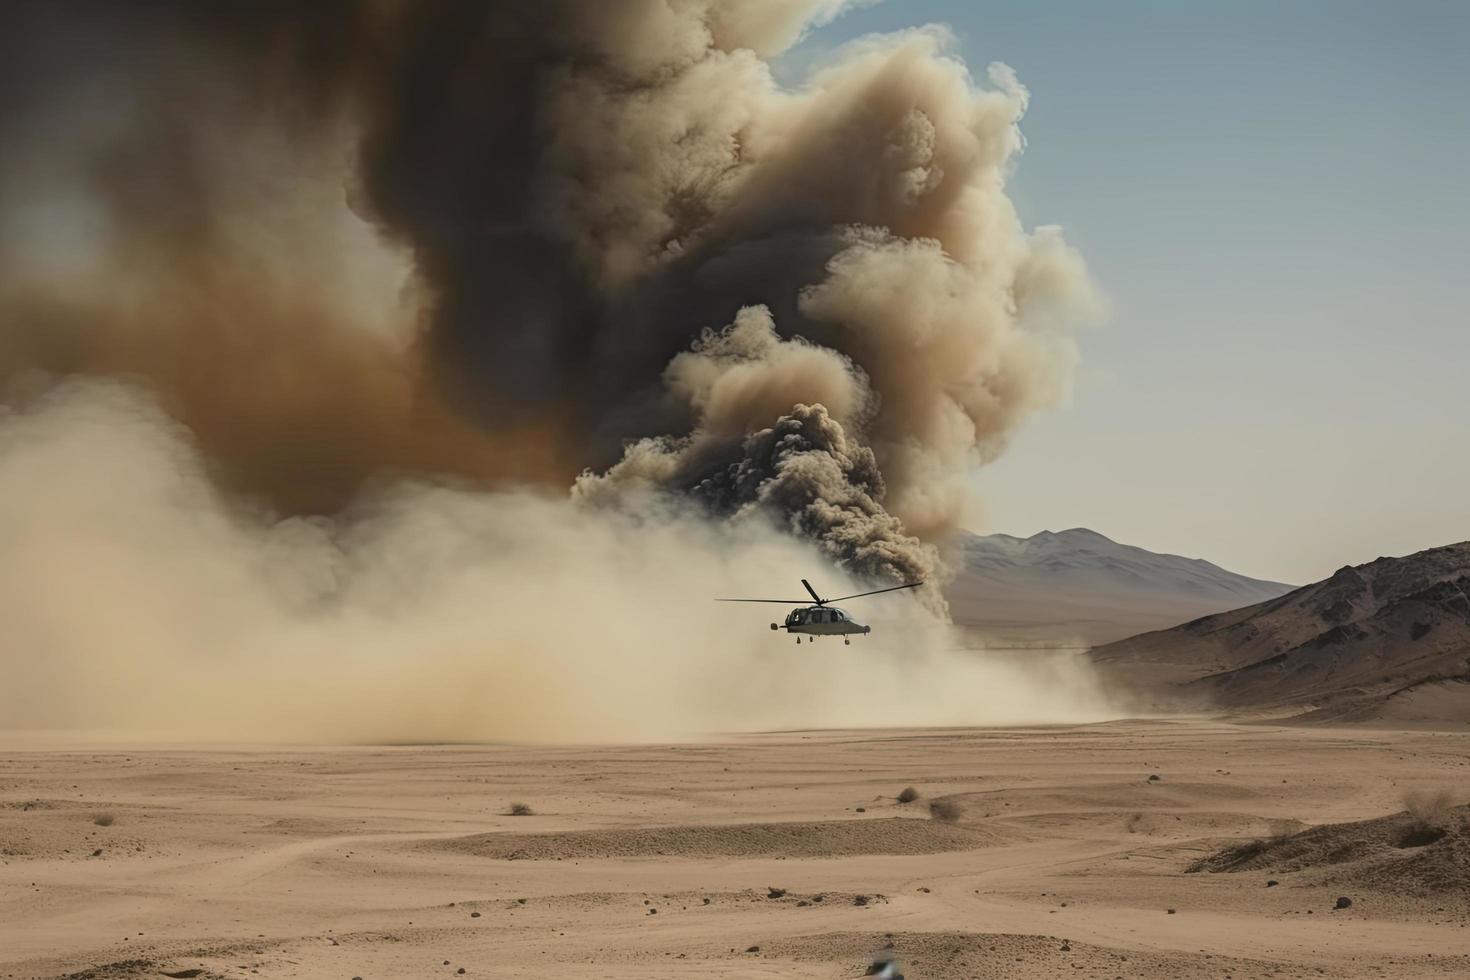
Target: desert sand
x=772 y=855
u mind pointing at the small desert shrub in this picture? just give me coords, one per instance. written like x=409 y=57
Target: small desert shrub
x=908 y=795
x=521 y=810
x=104 y=819
x=947 y=811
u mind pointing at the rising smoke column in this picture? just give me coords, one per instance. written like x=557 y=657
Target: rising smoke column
x=804 y=473
x=175 y=210
x=582 y=197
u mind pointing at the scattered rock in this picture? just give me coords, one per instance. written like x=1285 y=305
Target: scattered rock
x=802 y=904
x=1343 y=902
x=1172 y=911
x=653 y=911
x=1154 y=777
x=1272 y=883
x=706 y=901
x=775 y=892
x=908 y=795
x=862 y=809
x=474 y=915
x=883 y=966
x=753 y=949
x=860 y=900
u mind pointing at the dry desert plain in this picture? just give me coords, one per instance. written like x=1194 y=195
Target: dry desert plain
x=771 y=855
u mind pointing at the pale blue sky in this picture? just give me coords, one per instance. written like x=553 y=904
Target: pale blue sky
x=1274 y=196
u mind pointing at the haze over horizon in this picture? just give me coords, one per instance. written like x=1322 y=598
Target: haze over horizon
x=1270 y=195
x=1065 y=533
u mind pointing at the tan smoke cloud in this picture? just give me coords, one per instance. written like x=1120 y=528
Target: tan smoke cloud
x=180 y=228
x=893 y=164
x=574 y=191
x=351 y=249
x=806 y=473
x=738 y=379
x=137 y=599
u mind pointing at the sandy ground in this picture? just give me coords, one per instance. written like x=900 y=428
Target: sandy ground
x=660 y=861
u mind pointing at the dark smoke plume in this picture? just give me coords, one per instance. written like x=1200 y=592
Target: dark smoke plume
x=501 y=241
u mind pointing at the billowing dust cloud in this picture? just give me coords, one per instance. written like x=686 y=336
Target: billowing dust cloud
x=311 y=314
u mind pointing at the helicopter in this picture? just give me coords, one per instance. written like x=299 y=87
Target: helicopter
x=823 y=619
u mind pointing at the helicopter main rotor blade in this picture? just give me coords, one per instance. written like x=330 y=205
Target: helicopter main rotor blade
x=910 y=585
x=784 y=602
x=820 y=600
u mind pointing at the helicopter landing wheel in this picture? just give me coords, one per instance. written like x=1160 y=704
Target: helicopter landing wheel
x=798 y=641
x=846 y=642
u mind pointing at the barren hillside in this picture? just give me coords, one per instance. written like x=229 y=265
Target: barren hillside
x=1386 y=640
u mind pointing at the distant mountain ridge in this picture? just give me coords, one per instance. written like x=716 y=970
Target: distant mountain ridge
x=1083 y=585
x=1389 y=639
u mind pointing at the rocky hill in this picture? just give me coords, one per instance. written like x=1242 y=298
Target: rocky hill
x=1389 y=640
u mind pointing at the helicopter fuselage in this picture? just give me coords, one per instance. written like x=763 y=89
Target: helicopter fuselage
x=821 y=621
